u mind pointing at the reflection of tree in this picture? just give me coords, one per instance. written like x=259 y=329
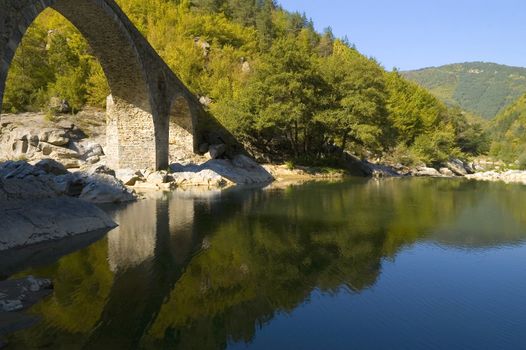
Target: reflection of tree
x=258 y=253
x=82 y=282
x=498 y=218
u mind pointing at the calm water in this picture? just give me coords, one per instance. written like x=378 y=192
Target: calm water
x=394 y=264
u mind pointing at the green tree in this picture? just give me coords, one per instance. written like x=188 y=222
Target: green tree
x=356 y=112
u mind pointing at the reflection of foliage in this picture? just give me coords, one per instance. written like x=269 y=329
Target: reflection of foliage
x=269 y=259
x=82 y=282
x=266 y=251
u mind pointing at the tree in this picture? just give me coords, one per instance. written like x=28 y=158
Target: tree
x=356 y=111
x=264 y=23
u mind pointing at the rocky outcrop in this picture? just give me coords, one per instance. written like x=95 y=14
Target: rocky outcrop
x=103 y=188
x=241 y=170
x=381 y=170
x=26 y=222
x=458 y=167
x=33 y=138
x=200 y=177
x=426 y=171
x=446 y=172
x=128 y=176
x=21 y=180
x=510 y=176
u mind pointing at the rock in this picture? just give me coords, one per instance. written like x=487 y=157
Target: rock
x=205 y=101
x=204 y=177
x=19 y=170
x=68 y=158
x=216 y=151
x=101 y=169
x=245 y=162
x=63 y=153
x=458 y=167
x=245 y=67
x=128 y=176
x=102 y=188
x=380 y=170
x=72 y=163
x=510 y=176
x=54 y=137
x=355 y=166
x=28 y=222
x=93 y=150
x=86 y=149
x=241 y=170
x=50 y=166
x=19 y=148
x=30 y=187
x=158 y=177
x=45 y=148
x=93 y=160
x=70 y=184
x=425 y=171
x=146 y=172
x=248 y=173
x=64 y=124
x=446 y=172
x=21 y=180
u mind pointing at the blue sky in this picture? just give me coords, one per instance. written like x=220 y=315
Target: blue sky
x=411 y=34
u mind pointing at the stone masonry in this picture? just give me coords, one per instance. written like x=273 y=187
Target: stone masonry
x=149 y=109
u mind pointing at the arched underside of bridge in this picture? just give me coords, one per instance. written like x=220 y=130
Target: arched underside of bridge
x=148 y=102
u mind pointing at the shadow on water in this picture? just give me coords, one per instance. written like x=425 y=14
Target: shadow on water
x=204 y=270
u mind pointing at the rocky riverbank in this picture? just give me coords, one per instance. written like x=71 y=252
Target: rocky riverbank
x=61 y=160
x=53 y=172
x=509 y=176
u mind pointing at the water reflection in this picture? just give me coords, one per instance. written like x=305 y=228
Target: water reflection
x=204 y=270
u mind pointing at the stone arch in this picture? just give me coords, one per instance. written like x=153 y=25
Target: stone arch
x=134 y=114
x=181 y=140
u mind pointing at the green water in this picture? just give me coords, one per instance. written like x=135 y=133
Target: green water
x=361 y=264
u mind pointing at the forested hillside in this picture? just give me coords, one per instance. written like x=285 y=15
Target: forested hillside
x=286 y=91
x=478 y=87
x=509 y=133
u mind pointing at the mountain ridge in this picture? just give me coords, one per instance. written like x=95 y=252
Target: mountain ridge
x=482 y=88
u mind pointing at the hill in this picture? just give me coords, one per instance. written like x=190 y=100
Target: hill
x=478 y=87
x=509 y=133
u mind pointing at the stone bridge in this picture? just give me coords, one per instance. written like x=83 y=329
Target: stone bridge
x=149 y=107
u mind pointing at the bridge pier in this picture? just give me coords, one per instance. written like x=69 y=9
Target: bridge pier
x=130 y=136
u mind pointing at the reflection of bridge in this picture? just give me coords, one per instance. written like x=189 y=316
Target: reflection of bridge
x=148 y=254
x=149 y=104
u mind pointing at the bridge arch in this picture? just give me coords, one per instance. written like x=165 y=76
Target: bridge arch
x=142 y=86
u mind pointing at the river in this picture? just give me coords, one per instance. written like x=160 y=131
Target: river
x=359 y=264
